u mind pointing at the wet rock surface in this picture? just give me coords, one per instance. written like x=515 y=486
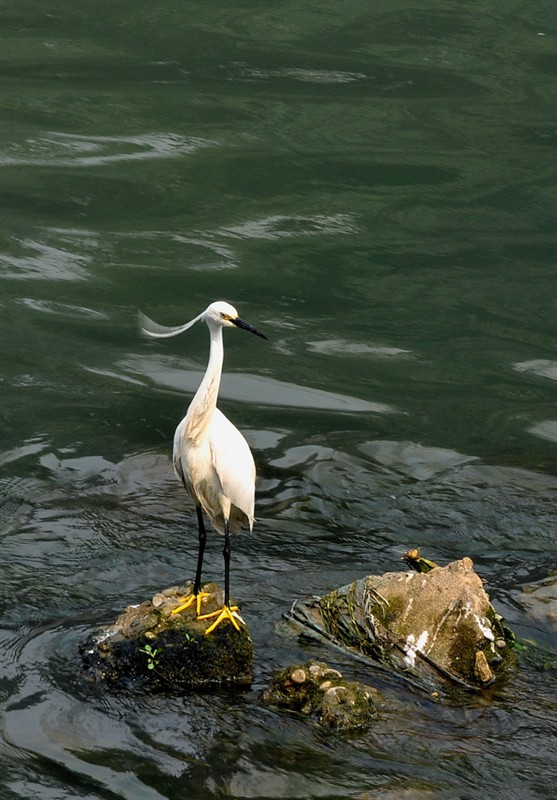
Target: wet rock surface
x=150 y=648
x=437 y=627
x=315 y=689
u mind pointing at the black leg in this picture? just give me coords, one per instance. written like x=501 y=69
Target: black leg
x=202 y=540
x=226 y=554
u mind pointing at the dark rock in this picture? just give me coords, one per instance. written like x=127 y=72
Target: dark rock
x=148 y=647
x=315 y=689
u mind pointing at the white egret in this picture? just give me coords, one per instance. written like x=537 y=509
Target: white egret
x=211 y=457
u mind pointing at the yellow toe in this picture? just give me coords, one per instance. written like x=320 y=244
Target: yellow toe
x=201 y=596
x=226 y=612
x=189 y=600
x=186 y=604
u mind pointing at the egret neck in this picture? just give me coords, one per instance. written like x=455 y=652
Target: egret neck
x=204 y=403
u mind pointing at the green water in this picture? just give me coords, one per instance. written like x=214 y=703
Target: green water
x=374 y=188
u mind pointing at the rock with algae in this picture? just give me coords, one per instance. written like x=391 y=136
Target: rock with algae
x=437 y=628
x=148 y=647
x=315 y=689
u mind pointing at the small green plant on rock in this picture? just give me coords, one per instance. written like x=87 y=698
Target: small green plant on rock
x=152 y=654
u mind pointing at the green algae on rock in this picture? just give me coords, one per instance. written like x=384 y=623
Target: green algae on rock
x=149 y=648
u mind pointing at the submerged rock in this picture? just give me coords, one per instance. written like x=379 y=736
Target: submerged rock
x=148 y=647
x=437 y=627
x=540 y=602
x=315 y=689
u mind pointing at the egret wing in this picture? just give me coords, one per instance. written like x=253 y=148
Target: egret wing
x=233 y=463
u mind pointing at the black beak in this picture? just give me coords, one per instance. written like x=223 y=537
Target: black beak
x=245 y=326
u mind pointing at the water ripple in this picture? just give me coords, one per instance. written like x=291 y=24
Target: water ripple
x=62 y=309
x=546 y=429
x=44 y=262
x=34 y=445
x=281 y=226
x=249 y=388
x=342 y=347
x=538 y=366
x=241 y=71
x=71 y=150
x=413 y=459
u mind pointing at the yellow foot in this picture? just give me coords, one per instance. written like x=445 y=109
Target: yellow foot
x=189 y=600
x=226 y=612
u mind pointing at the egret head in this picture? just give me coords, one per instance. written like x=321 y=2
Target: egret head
x=220 y=314
x=224 y=315
x=217 y=315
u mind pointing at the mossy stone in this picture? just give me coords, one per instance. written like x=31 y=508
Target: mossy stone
x=150 y=648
